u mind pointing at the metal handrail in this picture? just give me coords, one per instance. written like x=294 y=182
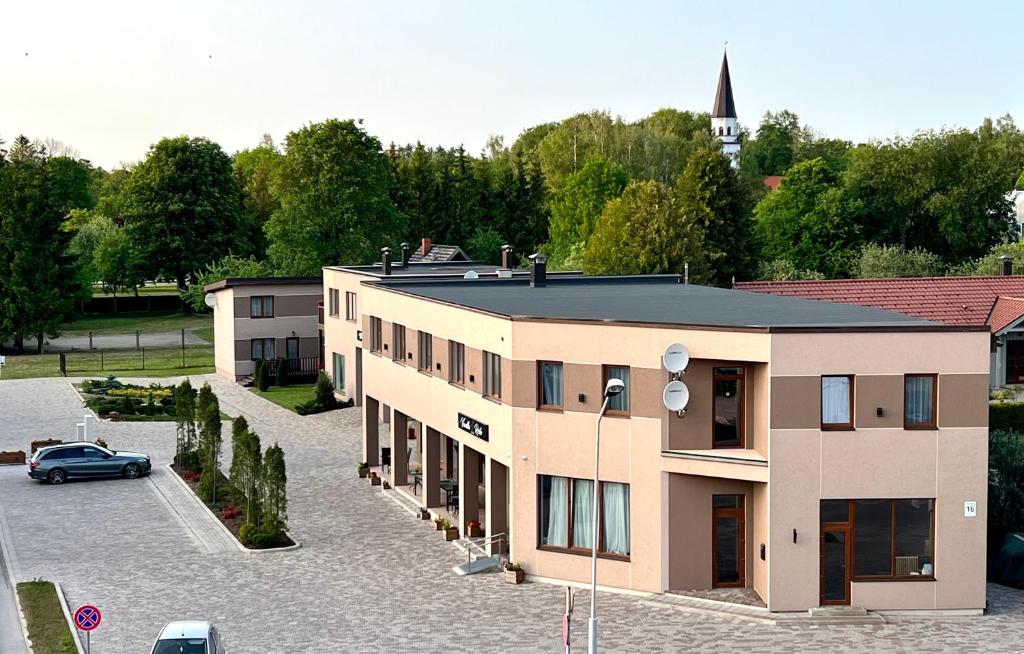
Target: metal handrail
x=478 y=544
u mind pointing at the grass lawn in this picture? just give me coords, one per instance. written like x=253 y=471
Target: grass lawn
x=155 y=289
x=127 y=323
x=205 y=333
x=287 y=396
x=159 y=362
x=47 y=627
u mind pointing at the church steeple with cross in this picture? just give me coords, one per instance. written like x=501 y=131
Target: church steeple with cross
x=723 y=114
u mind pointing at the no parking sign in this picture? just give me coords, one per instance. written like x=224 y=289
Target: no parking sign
x=87 y=618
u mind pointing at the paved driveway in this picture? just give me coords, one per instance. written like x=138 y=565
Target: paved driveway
x=369 y=577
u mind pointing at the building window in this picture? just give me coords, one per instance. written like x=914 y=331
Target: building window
x=919 y=401
x=261 y=306
x=720 y=131
x=425 y=343
x=261 y=348
x=549 y=393
x=565 y=512
x=837 y=402
x=728 y=131
x=332 y=302
x=492 y=375
x=339 y=371
x=398 y=343
x=291 y=348
x=728 y=406
x=893 y=538
x=350 y=306
x=617 y=404
x=456 y=363
x=376 y=335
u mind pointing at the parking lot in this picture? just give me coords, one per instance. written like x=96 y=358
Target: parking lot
x=369 y=577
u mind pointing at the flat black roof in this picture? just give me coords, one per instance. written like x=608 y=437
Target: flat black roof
x=657 y=299
x=439 y=269
x=228 y=282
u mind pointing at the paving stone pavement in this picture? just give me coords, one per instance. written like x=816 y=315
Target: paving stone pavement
x=368 y=578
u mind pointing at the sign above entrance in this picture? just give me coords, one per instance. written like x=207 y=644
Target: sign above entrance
x=475 y=427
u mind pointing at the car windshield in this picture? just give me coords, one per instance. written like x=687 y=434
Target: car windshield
x=181 y=646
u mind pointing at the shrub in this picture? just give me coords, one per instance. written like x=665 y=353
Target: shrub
x=1006 y=416
x=282 y=372
x=325 y=391
x=230 y=512
x=126 y=407
x=1005 y=485
x=245 y=532
x=308 y=408
x=261 y=540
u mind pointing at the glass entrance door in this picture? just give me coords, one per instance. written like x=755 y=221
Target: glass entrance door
x=835 y=564
x=728 y=541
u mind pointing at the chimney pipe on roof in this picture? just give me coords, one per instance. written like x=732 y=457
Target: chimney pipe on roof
x=425 y=247
x=538 y=270
x=405 y=255
x=506 y=256
x=1006 y=265
x=385 y=260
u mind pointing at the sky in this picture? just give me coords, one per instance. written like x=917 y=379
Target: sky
x=110 y=78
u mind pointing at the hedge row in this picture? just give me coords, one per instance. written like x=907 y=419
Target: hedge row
x=1006 y=416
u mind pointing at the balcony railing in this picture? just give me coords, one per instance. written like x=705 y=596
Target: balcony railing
x=301 y=369
x=320 y=313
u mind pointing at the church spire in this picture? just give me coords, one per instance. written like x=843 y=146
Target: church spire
x=725 y=106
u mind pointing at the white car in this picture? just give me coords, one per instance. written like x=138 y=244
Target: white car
x=188 y=637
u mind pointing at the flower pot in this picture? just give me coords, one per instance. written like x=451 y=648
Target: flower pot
x=437 y=525
x=374 y=480
x=451 y=533
x=363 y=472
x=474 y=531
x=514 y=576
x=424 y=514
x=387 y=485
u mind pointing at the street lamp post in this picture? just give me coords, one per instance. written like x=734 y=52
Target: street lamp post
x=611 y=389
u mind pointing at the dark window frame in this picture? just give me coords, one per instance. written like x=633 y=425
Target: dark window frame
x=837 y=426
x=457 y=363
x=263 y=348
x=424 y=351
x=934 y=423
x=741 y=422
x=398 y=343
x=351 y=306
x=376 y=335
x=541 y=406
x=570 y=548
x=740 y=513
x=851 y=524
x=629 y=387
x=332 y=302
x=492 y=375
x=290 y=339
x=263 y=301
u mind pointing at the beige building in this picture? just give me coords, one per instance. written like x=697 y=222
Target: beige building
x=269 y=318
x=829 y=454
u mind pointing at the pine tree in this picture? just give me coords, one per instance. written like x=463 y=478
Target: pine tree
x=210 y=447
x=185 y=416
x=273 y=482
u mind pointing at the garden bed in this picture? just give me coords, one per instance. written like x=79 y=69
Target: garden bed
x=112 y=400
x=47 y=627
x=230 y=510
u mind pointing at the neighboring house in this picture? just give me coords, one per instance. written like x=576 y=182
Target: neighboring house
x=828 y=453
x=266 y=318
x=432 y=253
x=772 y=182
x=994 y=301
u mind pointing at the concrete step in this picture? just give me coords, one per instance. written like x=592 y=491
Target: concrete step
x=826 y=611
x=478 y=565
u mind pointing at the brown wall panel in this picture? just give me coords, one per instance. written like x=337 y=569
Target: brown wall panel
x=796 y=402
x=646 y=396
x=872 y=392
x=582 y=378
x=440 y=357
x=295 y=305
x=963 y=401
x=474 y=370
x=524 y=384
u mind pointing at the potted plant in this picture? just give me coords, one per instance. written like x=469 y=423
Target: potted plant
x=363 y=470
x=450 y=533
x=424 y=513
x=387 y=485
x=514 y=573
x=438 y=521
x=473 y=529
x=374 y=479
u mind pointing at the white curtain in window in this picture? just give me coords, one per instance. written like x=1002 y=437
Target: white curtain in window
x=582 y=513
x=255 y=306
x=615 y=520
x=835 y=400
x=552 y=381
x=558 y=512
x=919 y=399
x=619 y=402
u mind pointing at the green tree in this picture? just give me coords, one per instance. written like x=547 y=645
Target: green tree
x=485 y=245
x=333 y=187
x=576 y=208
x=210 y=440
x=806 y=221
x=519 y=209
x=877 y=261
x=228 y=266
x=772 y=151
x=246 y=462
x=254 y=170
x=784 y=270
x=274 y=501
x=185 y=417
x=709 y=192
x=643 y=231
x=88 y=229
x=324 y=391
x=1005 y=485
x=116 y=262
x=182 y=206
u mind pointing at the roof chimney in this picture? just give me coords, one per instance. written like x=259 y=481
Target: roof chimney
x=1006 y=265
x=425 y=247
x=506 y=256
x=405 y=255
x=385 y=260
x=538 y=270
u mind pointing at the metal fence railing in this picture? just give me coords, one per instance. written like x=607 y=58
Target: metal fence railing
x=143 y=358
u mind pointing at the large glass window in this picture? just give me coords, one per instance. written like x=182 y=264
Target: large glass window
x=873 y=538
x=261 y=348
x=728 y=421
x=425 y=351
x=837 y=402
x=261 y=306
x=398 y=342
x=376 y=335
x=456 y=363
x=913 y=547
x=492 y=374
x=550 y=391
x=891 y=538
x=332 y=301
x=617 y=403
x=919 y=401
x=339 y=371
x=565 y=514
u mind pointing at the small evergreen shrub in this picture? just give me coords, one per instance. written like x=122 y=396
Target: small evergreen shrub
x=245 y=533
x=1006 y=416
x=262 y=382
x=282 y=372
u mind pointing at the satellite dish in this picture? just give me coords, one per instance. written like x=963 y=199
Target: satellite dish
x=675 y=396
x=210 y=300
x=472 y=274
x=676 y=358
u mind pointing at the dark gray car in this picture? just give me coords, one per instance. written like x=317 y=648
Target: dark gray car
x=58 y=463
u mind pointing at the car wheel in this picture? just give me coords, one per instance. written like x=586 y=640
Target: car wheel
x=132 y=471
x=56 y=477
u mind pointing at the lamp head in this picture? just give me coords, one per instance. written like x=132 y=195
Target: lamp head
x=614 y=387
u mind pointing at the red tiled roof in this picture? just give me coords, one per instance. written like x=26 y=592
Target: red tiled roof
x=948 y=300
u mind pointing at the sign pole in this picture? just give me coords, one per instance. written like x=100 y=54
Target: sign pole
x=88 y=645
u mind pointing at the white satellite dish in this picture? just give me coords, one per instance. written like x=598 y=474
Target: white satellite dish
x=472 y=274
x=675 y=396
x=210 y=300
x=676 y=358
